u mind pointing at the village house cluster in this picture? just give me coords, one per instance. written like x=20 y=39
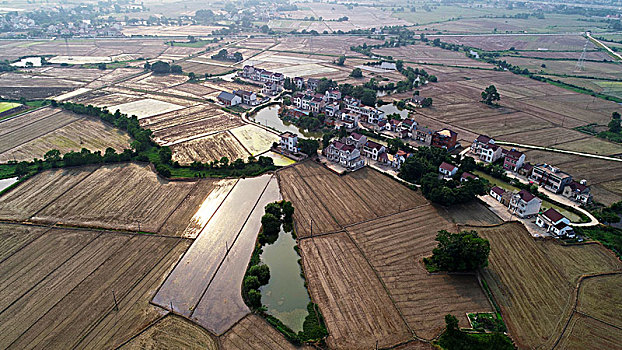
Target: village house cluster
x=272 y=82
x=236 y=97
x=544 y=175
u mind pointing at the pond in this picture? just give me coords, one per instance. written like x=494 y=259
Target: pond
x=285 y=296
x=4 y=183
x=269 y=117
x=545 y=204
x=35 y=61
x=391 y=108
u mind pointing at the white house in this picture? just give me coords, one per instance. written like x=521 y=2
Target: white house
x=513 y=160
x=346 y=155
x=486 y=149
x=357 y=140
x=373 y=149
x=554 y=222
x=447 y=170
x=497 y=193
x=229 y=99
x=289 y=142
x=524 y=204
x=248 y=97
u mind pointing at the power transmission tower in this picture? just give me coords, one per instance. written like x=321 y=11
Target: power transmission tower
x=581 y=62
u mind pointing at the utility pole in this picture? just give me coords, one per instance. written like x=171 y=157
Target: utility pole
x=311 y=227
x=116 y=306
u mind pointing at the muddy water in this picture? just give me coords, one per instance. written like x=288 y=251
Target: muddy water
x=269 y=117
x=285 y=296
x=391 y=108
x=4 y=183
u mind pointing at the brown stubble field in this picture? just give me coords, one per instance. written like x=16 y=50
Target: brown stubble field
x=335 y=202
x=209 y=148
x=549 y=274
x=356 y=307
x=31 y=135
x=121 y=196
x=172 y=332
x=394 y=246
x=58 y=288
x=369 y=229
x=254 y=333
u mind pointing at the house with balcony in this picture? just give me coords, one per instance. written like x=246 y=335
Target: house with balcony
x=373 y=149
x=332 y=95
x=299 y=83
x=524 y=204
x=289 y=142
x=486 y=150
x=550 y=177
x=513 y=160
x=345 y=155
x=578 y=191
x=248 y=97
x=423 y=135
x=357 y=140
x=554 y=222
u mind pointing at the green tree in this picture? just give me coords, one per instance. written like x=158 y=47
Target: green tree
x=356 y=73
x=165 y=155
x=463 y=251
x=176 y=69
x=271 y=225
x=490 y=95
x=160 y=67
x=341 y=60
x=308 y=146
x=52 y=156
x=427 y=102
x=262 y=272
x=274 y=209
x=369 y=97
x=288 y=212
x=254 y=298
x=614 y=124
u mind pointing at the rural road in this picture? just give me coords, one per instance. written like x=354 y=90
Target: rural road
x=598 y=42
x=563 y=200
x=549 y=149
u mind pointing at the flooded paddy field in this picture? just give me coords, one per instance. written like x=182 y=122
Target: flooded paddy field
x=255 y=140
x=5 y=183
x=207 y=281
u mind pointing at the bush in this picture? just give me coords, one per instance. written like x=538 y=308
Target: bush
x=464 y=251
x=262 y=272
x=254 y=298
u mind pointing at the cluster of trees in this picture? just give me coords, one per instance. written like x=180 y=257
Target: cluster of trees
x=5 y=66
x=458 y=252
x=422 y=168
x=160 y=67
x=490 y=95
x=258 y=274
x=454 y=338
x=614 y=133
x=309 y=146
x=223 y=55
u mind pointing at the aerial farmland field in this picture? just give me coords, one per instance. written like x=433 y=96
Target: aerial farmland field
x=550 y=273
x=31 y=135
x=58 y=289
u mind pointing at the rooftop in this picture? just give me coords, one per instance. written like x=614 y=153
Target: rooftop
x=447 y=166
x=553 y=215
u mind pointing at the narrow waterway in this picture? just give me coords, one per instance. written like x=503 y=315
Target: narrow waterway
x=285 y=296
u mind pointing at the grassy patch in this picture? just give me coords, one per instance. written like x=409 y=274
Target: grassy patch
x=487 y=322
x=610 y=237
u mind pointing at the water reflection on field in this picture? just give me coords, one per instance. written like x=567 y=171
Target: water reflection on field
x=4 y=183
x=285 y=296
x=391 y=108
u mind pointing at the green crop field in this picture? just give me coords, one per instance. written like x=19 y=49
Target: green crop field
x=5 y=106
